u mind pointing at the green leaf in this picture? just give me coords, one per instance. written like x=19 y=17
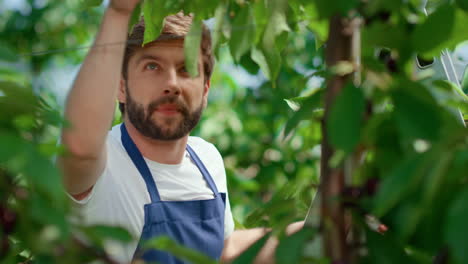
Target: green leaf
x=455 y=228
x=259 y=58
x=243 y=33
x=416 y=112
x=385 y=249
x=277 y=24
x=304 y=107
x=167 y=244
x=218 y=28
x=430 y=36
x=111 y=232
x=50 y=211
x=345 y=118
x=12 y=146
x=92 y=3
x=192 y=47
x=463 y=4
x=464 y=83
x=318 y=26
x=290 y=248
x=459 y=33
x=431 y=186
x=204 y=9
x=261 y=18
x=154 y=20
x=384 y=35
x=327 y=8
x=16 y=100
x=7 y=53
x=41 y=173
x=396 y=185
x=375 y=6
x=248 y=64
x=249 y=255
x=135 y=18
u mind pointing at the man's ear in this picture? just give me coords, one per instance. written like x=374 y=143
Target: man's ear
x=206 y=89
x=122 y=95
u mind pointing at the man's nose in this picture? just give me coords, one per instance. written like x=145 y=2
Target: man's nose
x=171 y=87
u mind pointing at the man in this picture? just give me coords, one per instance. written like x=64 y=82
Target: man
x=147 y=174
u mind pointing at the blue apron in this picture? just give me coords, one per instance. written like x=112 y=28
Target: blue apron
x=197 y=224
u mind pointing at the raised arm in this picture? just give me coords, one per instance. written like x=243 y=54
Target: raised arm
x=91 y=101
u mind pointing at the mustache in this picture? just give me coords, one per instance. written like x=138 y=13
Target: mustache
x=171 y=99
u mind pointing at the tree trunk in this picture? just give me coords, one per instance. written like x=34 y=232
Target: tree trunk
x=334 y=223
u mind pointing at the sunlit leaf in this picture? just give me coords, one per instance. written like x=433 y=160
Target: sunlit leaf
x=259 y=58
x=192 y=47
x=243 y=33
x=317 y=25
x=218 y=28
x=276 y=26
x=154 y=19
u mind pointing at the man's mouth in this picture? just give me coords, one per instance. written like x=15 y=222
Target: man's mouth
x=168 y=109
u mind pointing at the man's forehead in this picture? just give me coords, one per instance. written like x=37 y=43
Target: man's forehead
x=178 y=42
x=158 y=49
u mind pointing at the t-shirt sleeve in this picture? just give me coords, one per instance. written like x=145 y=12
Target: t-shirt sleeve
x=228 y=219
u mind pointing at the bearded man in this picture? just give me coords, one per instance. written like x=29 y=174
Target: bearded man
x=147 y=174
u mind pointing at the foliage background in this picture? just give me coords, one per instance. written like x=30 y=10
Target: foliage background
x=415 y=147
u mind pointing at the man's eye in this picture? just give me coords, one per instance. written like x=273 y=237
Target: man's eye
x=183 y=69
x=151 y=66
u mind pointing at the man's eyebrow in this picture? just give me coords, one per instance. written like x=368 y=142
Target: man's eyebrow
x=146 y=57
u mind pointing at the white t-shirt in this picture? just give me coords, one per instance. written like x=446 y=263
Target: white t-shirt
x=118 y=197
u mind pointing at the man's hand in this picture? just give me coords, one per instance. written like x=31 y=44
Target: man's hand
x=124 y=7
x=241 y=240
x=267 y=253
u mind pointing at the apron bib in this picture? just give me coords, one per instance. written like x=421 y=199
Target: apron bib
x=197 y=224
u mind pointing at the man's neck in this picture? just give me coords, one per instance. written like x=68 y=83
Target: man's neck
x=166 y=152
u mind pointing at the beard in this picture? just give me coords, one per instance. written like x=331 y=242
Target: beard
x=143 y=122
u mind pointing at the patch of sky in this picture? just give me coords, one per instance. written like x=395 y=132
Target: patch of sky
x=58 y=80
x=21 y=6
x=460 y=58
x=314 y=82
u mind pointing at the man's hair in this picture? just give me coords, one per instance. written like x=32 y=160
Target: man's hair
x=175 y=27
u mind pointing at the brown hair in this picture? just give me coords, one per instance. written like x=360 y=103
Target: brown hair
x=175 y=27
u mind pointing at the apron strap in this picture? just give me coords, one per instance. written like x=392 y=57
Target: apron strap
x=203 y=170
x=140 y=163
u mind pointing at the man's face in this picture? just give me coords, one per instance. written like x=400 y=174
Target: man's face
x=161 y=99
